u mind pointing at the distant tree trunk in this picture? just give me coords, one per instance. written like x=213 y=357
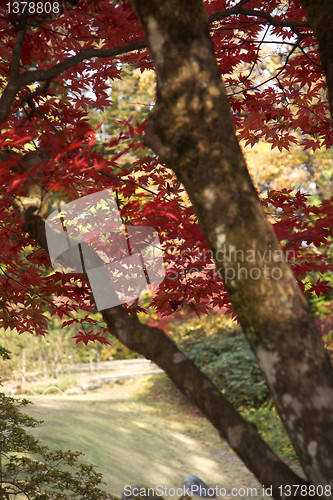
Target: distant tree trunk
x=56 y=366
x=98 y=358
x=40 y=362
x=24 y=368
x=45 y=371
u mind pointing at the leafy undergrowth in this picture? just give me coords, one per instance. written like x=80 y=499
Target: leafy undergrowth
x=269 y=425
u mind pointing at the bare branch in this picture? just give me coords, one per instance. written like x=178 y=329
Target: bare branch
x=15 y=65
x=273 y=21
x=31 y=76
x=127 y=181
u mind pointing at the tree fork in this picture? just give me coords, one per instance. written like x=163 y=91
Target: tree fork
x=191 y=129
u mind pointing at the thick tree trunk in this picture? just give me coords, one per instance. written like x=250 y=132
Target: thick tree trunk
x=321 y=18
x=191 y=129
x=154 y=344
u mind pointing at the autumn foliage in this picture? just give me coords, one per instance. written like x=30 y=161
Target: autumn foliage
x=50 y=154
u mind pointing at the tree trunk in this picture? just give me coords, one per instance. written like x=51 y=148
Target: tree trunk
x=45 y=371
x=91 y=365
x=24 y=366
x=98 y=358
x=191 y=129
x=321 y=18
x=55 y=360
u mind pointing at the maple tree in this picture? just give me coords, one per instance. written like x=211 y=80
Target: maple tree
x=55 y=66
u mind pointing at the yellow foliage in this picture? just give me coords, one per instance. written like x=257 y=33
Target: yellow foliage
x=296 y=169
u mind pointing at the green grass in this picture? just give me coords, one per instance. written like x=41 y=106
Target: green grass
x=140 y=432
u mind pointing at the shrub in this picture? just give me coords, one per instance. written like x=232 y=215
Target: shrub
x=31 y=469
x=220 y=349
x=223 y=353
x=270 y=427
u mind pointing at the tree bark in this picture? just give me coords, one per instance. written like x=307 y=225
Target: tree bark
x=155 y=345
x=191 y=129
x=321 y=18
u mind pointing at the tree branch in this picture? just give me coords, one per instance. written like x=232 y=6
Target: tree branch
x=15 y=64
x=273 y=21
x=15 y=84
x=155 y=345
x=31 y=76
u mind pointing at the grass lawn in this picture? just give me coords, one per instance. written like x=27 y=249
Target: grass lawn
x=140 y=431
